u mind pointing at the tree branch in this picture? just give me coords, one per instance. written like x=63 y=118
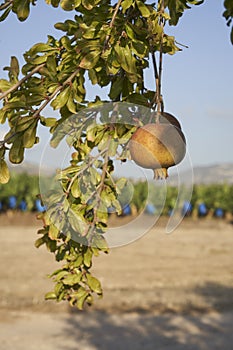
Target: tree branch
x=59 y=88
x=20 y=82
x=84 y=169
x=6 y=4
x=112 y=23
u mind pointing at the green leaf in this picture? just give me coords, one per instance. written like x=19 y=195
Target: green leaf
x=16 y=153
x=23 y=9
x=88 y=4
x=4 y=172
x=140 y=49
x=95 y=176
x=67 y=5
x=50 y=295
x=93 y=76
x=81 y=295
x=72 y=279
x=29 y=136
x=14 y=66
x=125 y=58
x=89 y=61
x=24 y=123
x=61 y=99
x=143 y=8
x=94 y=284
x=116 y=87
x=77 y=221
x=53 y=232
x=49 y=122
x=71 y=105
x=113 y=147
x=75 y=189
x=100 y=243
x=5 y=14
x=4 y=85
x=137 y=99
x=78 y=262
x=87 y=257
x=126 y=4
x=40 y=241
x=54 y=3
x=52 y=65
x=39 y=47
x=120 y=184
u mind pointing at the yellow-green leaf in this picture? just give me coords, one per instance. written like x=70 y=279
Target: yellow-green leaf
x=94 y=284
x=89 y=61
x=61 y=99
x=23 y=9
x=29 y=136
x=16 y=153
x=4 y=172
x=5 y=85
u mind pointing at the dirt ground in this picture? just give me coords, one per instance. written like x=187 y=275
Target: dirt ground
x=172 y=292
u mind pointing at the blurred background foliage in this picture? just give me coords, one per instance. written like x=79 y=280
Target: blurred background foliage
x=26 y=187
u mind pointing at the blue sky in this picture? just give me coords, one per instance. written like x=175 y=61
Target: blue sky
x=197 y=82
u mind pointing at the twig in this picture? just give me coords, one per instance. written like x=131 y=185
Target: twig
x=59 y=88
x=185 y=46
x=2 y=142
x=84 y=169
x=98 y=192
x=158 y=71
x=112 y=23
x=159 y=96
x=6 y=4
x=20 y=82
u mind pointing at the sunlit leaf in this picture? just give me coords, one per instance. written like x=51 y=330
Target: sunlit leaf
x=16 y=153
x=89 y=61
x=23 y=9
x=4 y=172
x=94 y=284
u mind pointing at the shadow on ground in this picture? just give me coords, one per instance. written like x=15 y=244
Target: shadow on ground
x=150 y=331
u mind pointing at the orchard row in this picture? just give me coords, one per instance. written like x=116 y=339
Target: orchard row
x=22 y=192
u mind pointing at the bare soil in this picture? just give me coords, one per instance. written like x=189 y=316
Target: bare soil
x=160 y=292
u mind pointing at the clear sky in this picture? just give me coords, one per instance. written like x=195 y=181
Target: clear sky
x=197 y=82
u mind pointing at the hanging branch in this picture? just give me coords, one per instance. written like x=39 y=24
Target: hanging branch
x=20 y=82
x=160 y=105
x=58 y=89
x=158 y=99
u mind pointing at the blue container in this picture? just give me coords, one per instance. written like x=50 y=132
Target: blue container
x=150 y=209
x=12 y=202
x=187 y=209
x=126 y=210
x=202 y=209
x=23 y=205
x=39 y=207
x=219 y=213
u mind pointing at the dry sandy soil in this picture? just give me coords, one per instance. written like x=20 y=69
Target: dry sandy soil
x=172 y=292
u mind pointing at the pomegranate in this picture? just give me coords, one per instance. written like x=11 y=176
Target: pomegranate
x=167 y=118
x=158 y=146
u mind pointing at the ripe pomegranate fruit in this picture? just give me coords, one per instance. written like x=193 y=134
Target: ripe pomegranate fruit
x=167 y=118
x=158 y=146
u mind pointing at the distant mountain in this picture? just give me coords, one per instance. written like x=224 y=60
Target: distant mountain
x=216 y=173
